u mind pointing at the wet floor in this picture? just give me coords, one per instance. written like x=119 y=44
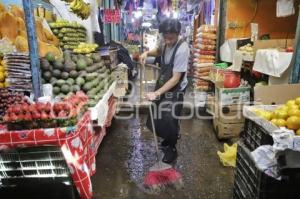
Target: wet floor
x=128 y=151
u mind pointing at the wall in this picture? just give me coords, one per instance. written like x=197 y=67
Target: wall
x=243 y=12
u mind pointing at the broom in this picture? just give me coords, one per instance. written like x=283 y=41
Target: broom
x=161 y=174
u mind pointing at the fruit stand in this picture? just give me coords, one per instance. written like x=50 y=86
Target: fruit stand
x=55 y=89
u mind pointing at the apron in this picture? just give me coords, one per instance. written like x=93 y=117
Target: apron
x=170 y=103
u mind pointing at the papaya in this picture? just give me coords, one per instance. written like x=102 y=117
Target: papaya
x=21 y=44
x=2 y=8
x=45 y=48
x=17 y=11
x=8 y=26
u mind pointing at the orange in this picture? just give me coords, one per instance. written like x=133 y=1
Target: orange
x=281 y=123
x=293 y=123
x=290 y=102
x=280 y=114
x=294 y=112
x=283 y=107
x=6 y=84
x=274 y=121
x=2 y=77
x=298 y=132
x=297 y=100
x=291 y=107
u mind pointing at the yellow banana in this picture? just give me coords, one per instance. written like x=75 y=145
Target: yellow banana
x=73 y=4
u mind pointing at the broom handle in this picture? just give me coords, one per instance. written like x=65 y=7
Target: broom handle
x=154 y=131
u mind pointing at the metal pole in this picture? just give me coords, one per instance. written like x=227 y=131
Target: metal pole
x=33 y=48
x=295 y=72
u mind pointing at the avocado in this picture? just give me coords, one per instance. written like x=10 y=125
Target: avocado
x=67 y=54
x=92 y=68
x=96 y=57
x=73 y=74
x=58 y=65
x=64 y=75
x=88 y=86
x=80 y=81
x=92 y=92
x=82 y=73
x=56 y=90
x=50 y=57
x=75 y=88
x=81 y=64
x=43 y=81
x=65 y=89
x=69 y=66
x=47 y=76
x=89 y=61
x=92 y=103
x=71 y=81
x=74 y=58
x=91 y=76
x=56 y=73
x=53 y=80
x=45 y=65
x=60 y=82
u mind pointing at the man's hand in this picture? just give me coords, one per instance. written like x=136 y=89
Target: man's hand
x=152 y=96
x=143 y=57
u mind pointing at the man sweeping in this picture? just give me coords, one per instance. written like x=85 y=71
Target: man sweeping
x=170 y=87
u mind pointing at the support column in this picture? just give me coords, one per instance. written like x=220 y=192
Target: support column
x=295 y=72
x=33 y=48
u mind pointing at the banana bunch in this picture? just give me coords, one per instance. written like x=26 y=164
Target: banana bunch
x=80 y=8
x=68 y=1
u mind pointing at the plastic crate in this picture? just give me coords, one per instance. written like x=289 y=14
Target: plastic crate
x=251 y=183
x=255 y=136
x=35 y=168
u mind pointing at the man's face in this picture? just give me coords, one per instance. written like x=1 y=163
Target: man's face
x=170 y=39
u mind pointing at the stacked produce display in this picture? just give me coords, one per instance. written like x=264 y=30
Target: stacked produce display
x=70 y=34
x=18 y=71
x=26 y=115
x=204 y=56
x=8 y=98
x=287 y=115
x=74 y=72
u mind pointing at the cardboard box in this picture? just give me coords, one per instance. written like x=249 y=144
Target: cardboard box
x=276 y=94
x=210 y=104
x=229 y=96
x=272 y=43
x=226 y=131
x=230 y=113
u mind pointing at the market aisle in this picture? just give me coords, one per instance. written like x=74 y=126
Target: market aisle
x=126 y=154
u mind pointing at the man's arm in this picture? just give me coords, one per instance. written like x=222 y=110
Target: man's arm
x=154 y=53
x=166 y=87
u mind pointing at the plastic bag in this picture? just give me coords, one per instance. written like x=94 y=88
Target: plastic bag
x=228 y=157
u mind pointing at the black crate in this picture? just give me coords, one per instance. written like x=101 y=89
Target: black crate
x=43 y=170
x=251 y=183
x=254 y=135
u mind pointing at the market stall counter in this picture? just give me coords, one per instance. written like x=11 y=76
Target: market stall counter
x=79 y=145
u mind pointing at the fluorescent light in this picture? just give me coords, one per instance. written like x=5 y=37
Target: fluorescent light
x=168 y=14
x=175 y=15
x=138 y=14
